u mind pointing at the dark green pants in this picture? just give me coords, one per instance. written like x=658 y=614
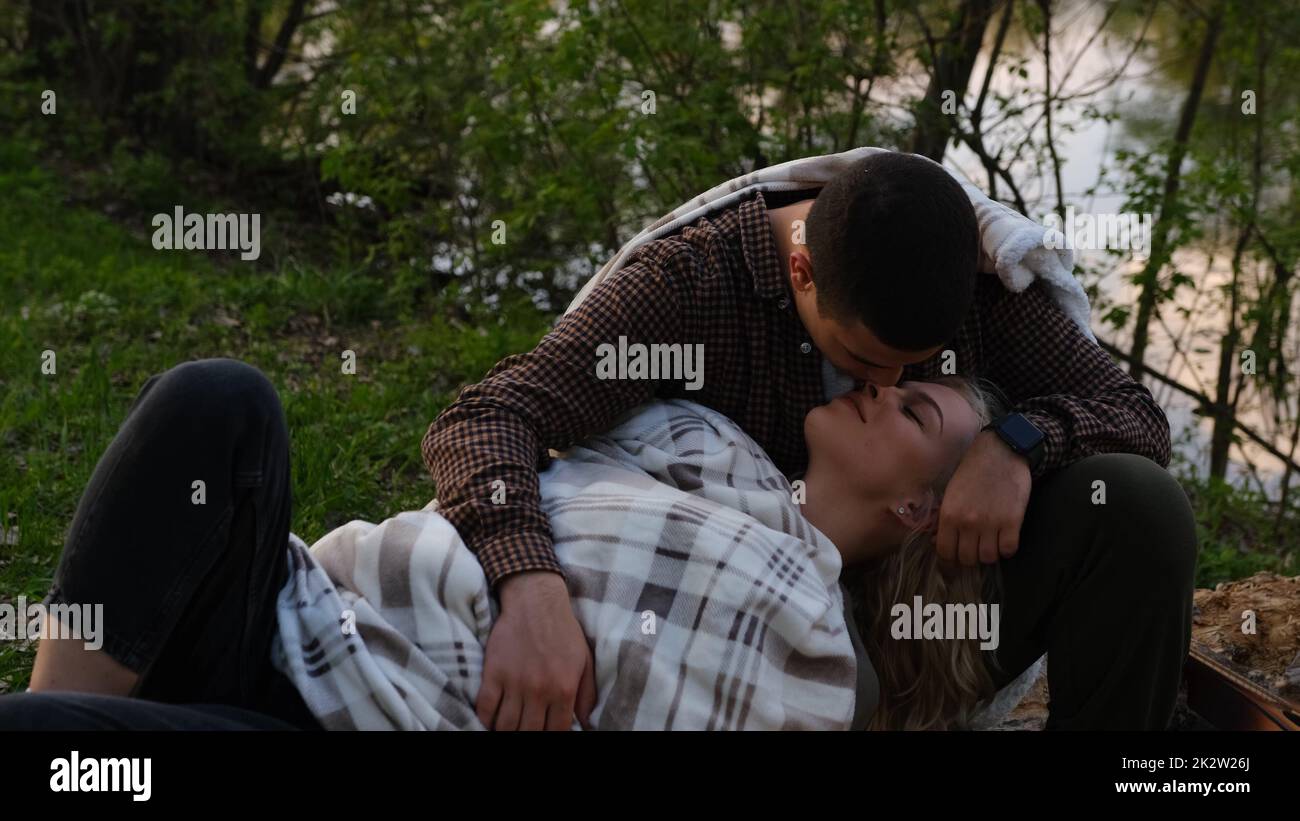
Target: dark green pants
x=1105 y=590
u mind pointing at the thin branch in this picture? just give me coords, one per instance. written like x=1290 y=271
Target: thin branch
x=280 y=48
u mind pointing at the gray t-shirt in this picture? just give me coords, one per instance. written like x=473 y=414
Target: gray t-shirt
x=834 y=380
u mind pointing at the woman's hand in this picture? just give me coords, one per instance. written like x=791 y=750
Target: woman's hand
x=537 y=667
x=984 y=505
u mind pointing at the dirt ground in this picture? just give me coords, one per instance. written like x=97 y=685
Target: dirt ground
x=1270 y=655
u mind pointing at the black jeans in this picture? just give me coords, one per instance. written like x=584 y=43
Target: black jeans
x=181 y=535
x=1105 y=590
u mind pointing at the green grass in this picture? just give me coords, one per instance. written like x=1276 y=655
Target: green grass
x=115 y=311
x=1238 y=534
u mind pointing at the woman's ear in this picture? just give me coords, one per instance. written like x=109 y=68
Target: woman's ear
x=919 y=512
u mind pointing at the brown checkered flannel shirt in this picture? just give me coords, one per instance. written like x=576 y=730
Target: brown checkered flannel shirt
x=719 y=282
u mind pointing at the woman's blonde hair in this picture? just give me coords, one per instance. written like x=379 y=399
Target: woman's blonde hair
x=937 y=683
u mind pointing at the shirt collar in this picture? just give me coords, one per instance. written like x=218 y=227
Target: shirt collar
x=758 y=245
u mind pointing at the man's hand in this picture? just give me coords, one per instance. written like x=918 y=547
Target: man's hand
x=537 y=667
x=984 y=504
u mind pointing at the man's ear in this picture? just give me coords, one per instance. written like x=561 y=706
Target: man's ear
x=801 y=270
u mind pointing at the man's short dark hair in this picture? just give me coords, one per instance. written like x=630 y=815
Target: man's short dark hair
x=894 y=242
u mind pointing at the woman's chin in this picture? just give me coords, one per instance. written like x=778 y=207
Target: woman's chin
x=825 y=429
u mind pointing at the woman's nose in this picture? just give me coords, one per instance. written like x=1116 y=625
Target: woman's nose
x=874 y=390
x=877 y=392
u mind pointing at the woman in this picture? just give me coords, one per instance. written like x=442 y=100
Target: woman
x=914 y=436
x=190 y=609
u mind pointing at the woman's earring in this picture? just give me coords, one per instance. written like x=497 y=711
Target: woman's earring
x=902 y=511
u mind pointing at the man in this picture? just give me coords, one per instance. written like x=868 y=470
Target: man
x=884 y=289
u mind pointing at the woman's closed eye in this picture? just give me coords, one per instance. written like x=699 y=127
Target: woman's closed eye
x=912 y=399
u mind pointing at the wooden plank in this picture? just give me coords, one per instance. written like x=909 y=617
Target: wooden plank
x=1230 y=701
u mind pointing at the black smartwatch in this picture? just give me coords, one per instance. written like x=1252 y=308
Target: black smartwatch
x=1021 y=436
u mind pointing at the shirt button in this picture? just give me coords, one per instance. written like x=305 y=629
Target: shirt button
x=806 y=347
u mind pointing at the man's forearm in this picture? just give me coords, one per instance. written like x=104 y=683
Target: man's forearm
x=1128 y=421
x=484 y=466
x=1068 y=386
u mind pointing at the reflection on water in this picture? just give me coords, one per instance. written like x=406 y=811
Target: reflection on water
x=1185 y=339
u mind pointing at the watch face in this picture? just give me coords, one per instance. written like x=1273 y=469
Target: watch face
x=1021 y=431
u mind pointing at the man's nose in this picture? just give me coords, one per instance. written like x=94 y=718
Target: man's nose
x=885 y=377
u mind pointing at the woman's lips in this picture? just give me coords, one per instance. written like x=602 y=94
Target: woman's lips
x=857 y=407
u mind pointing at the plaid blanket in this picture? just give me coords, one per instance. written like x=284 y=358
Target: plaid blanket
x=709 y=600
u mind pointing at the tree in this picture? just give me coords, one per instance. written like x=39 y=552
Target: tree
x=1149 y=279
